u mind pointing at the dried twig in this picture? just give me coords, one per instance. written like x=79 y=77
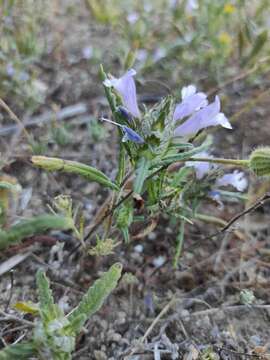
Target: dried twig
x=260 y=202
x=14 y=117
x=7 y=317
x=62 y=114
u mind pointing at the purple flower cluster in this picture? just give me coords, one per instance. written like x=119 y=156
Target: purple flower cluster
x=236 y=179
x=201 y=114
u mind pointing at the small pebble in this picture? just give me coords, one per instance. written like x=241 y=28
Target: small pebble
x=138 y=248
x=159 y=261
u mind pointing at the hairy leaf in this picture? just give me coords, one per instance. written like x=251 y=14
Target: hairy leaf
x=31 y=227
x=48 y=310
x=141 y=174
x=18 y=351
x=96 y=294
x=73 y=167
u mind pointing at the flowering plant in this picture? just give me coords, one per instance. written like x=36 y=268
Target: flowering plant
x=165 y=165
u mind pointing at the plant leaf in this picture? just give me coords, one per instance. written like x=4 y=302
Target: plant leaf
x=257 y=47
x=33 y=226
x=18 y=351
x=141 y=174
x=96 y=294
x=48 y=310
x=73 y=167
x=26 y=307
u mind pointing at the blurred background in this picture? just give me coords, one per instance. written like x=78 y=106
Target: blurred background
x=50 y=56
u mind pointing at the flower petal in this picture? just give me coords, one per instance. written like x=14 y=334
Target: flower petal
x=201 y=167
x=237 y=179
x=208 y=116
x=126 y=87
x=189 y=105
x=188 y=90
x=131 y=135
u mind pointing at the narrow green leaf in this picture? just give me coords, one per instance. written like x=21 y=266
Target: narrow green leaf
x=18 y=351
x=184 y=155
x=48 y=309
x=88 y=172
x=130 y=59
x=31 y=227
x=257 y=47
x=141 y=174
x=75 y=326
x=121 y=164
x=96 y=294
x=179 y=244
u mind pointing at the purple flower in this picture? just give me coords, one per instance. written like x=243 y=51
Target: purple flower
x=201 y=167
x=123 y=111
x=208 y=116
x=191 y=102
x=236 y=179
x=10 y=70
x=132 y=18
x=191 y=5
x=131 y=135
x=87 y=52
x=126 y=87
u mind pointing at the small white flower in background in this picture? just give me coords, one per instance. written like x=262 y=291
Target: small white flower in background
x=191 y=6
x=173 y=3
x=237 y=179
x=132 y=18
x=26 y=196
x=159 y=261
x=141 y=54
x=10 y=70
x=201 y=167
x=147 y=7
x=23 y=76
x=159 y=54
x=138 y=248
x=87 y=52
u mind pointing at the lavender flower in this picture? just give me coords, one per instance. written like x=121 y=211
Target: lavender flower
x=201 y=167
x=132 y=18
x=191 y=6
x=126 y=87
x=208 y=116
x=129 y=134
x=124 y=112
x=10 y=70
x=87 y=52
x=191 y=102
x=236 y=179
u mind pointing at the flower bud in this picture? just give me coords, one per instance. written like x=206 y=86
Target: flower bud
x=259 y=161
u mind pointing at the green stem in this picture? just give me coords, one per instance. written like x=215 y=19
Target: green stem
x=242 y=163
x=179 y=245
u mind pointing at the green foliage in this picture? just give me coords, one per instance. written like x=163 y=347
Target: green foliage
x=95 y=296
x=31 y=227
x=124 y=219
x=73 y=167
x=55 y=334
x=259 y=161
x=198 y=40
x=141 y=173
x=20 y=47
x=18 y=351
